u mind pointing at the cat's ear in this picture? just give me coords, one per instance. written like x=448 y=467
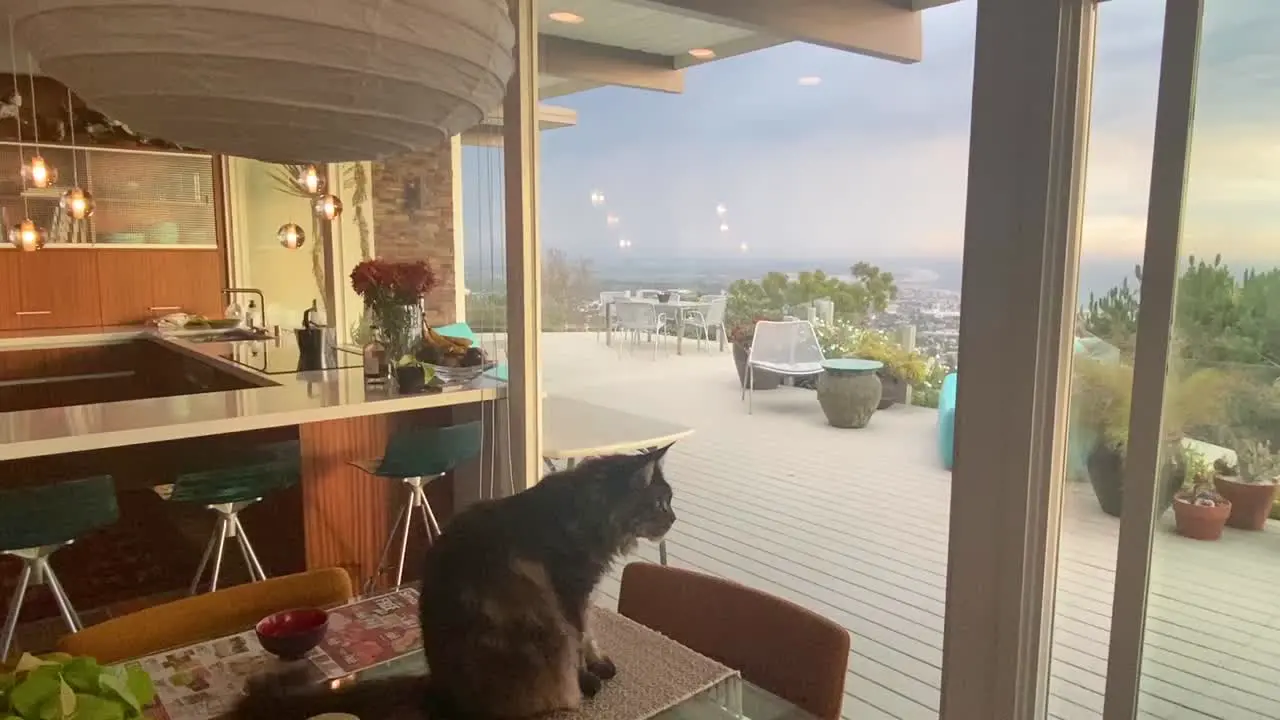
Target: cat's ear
x=643 y=475
x=657 y=454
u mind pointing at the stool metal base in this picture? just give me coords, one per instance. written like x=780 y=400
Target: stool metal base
x=36 y=571
x=229 y=526
x=417 y=500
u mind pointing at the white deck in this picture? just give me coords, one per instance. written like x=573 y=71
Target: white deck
x=853 y=524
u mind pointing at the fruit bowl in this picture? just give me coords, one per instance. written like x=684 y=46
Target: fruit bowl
x=291 y=634
x=445 y=375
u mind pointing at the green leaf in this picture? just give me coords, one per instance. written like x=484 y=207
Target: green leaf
x=66 y=700
x=29 y=662
x=115 y=684
x=33 y=692
x=82 y=674
x=93 y=707
x=139 y=683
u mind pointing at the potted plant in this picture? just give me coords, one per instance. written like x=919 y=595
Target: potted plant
x=740 y=335
x=902 y=368
x=1250 y=484
x=1199 y=511
x=61 y=686
x=412 y=375
x=1100 y=411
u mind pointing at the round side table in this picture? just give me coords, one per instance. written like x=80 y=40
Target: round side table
x=849 y=391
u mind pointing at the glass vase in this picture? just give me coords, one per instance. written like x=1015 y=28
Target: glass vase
x=400 y=327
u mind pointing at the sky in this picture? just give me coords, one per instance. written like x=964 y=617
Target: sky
x=872 y=162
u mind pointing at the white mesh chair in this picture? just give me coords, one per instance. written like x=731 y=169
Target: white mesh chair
x=607 y=298
x=712 y=318
x=787 y=347
x=639 y=317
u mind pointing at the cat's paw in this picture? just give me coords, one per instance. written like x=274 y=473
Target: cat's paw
x=589 y=683
x=603 y=669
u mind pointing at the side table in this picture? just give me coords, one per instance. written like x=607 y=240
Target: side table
x=849 y=391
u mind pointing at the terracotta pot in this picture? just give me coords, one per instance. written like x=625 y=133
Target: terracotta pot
x=1200 y=522
x=1250 y=502
x=764 y=380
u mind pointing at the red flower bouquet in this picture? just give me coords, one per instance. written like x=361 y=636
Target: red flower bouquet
x=392 y=292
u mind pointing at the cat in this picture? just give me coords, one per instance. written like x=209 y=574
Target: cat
x=504 y=603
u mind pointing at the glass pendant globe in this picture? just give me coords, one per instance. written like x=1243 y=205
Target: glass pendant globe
x=78 y=204
x=291 y=236
x=38 y=173
x=27 y=236
x=309 y=179
x=328 y=207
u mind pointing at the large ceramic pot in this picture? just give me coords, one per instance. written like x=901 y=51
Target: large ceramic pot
x=1250 y=502
x=763 y=380
x=1106 y=475
x=848 y=398
x=894 y=390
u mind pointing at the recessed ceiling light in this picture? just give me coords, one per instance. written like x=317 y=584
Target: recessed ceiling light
x=703 y=53
x=810 y=80
x=567 y=18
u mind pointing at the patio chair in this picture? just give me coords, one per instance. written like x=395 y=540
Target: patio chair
x=607 y=298
x=787 y=347
x=712 y=318
x=637 y=317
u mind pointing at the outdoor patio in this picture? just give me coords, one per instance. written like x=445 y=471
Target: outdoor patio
x=853 y=524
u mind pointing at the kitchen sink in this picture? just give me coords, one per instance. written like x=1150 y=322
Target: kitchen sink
x=232 y=335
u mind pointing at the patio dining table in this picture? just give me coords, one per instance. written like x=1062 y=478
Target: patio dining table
x=681 y=307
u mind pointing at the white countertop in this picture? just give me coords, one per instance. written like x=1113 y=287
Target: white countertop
x=282 y=400
x=576 y=429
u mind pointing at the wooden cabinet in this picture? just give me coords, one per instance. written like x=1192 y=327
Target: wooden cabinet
x=10 y=290
x=137 y=285
x=59 y=289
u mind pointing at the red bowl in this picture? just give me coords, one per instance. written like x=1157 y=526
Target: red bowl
x=291 y=634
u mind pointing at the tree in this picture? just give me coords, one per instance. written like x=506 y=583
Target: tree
x=877 y=286
x=566 y=287
x=777 y=294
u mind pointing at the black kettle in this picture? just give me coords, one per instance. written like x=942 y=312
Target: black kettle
x=310 y=339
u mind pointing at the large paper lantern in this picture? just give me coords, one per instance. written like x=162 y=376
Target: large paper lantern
x=279 y=80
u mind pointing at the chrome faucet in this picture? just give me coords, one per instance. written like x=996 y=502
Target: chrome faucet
x=262 y=300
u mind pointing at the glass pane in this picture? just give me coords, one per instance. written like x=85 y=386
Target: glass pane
x=1213 y=634
x=783 y=181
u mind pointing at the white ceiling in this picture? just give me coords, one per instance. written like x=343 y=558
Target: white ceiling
x=620 y=24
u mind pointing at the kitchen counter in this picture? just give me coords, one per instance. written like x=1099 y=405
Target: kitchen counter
x=277 y=401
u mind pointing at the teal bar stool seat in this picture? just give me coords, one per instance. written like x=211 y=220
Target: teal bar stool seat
x=35 y=522
x=228 y=491
x=416 y=456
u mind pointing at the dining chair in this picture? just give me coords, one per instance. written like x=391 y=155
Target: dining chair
x=607 y=316
x=777 y=645
x=713 y=317
x=787 y=347
x=204 y=617
x=640 y=317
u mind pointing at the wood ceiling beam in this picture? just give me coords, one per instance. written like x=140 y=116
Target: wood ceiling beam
x=878 y=28
x=606 y=65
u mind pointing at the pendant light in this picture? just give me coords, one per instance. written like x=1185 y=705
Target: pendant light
x=309 y=180
x=37 y=172
x=328 y=207
x=77 y=202
x=291 y=236
x=27 y=236
x=246 y=78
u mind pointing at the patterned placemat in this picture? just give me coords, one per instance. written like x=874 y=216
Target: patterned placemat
x=654 y=672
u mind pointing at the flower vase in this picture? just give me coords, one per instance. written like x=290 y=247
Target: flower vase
x=401 y=329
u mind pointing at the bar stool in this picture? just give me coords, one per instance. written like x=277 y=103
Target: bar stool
x=416 y=456
x=227 y=492
x=35 y=522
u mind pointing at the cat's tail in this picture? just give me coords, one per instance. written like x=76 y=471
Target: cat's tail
x=286 y=697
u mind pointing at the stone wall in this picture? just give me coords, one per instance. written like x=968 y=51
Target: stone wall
x=413 y=220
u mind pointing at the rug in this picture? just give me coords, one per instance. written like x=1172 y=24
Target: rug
x=654 y=672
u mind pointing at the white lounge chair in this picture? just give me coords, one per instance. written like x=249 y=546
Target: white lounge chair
x=787 y=347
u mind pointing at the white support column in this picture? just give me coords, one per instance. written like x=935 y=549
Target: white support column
x=1175 y=108
x=459 y=237
x=1032 y=72
x=524 y=300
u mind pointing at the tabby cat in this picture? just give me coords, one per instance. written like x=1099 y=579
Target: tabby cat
x=505 y=594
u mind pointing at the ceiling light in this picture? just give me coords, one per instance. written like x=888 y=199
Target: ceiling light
x=810 y=80
x=703 y=53
x=567 y=18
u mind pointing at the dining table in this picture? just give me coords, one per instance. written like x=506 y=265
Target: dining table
x=680 y=310
x=377 y=636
